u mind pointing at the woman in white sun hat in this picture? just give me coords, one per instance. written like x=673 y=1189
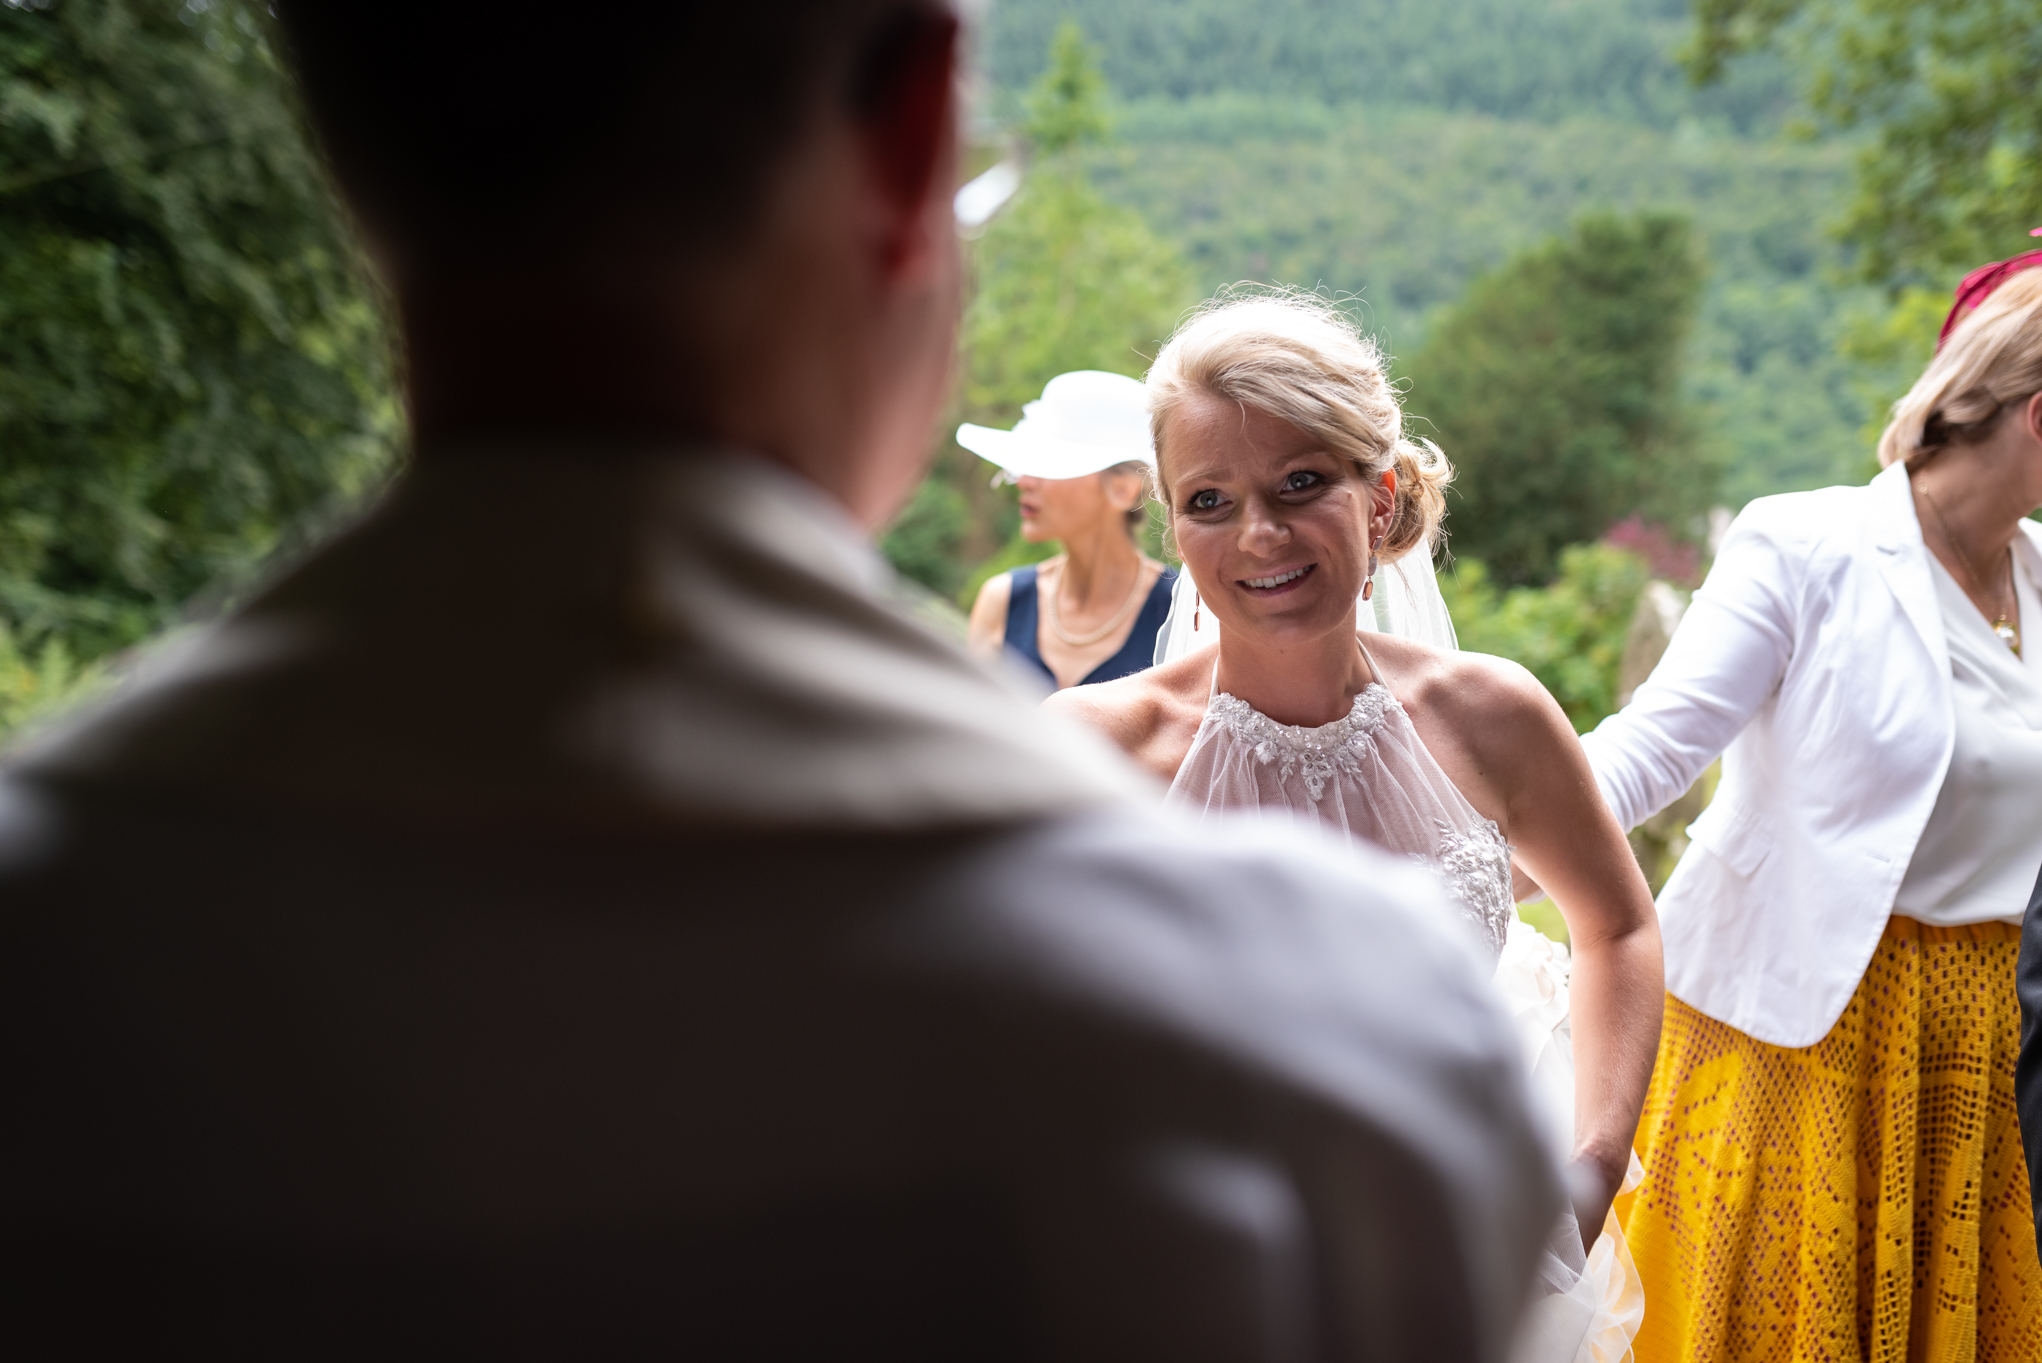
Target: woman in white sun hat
x=1081 y=455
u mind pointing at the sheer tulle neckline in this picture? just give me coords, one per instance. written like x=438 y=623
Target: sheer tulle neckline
x=1314 y=752
x=1367 y=775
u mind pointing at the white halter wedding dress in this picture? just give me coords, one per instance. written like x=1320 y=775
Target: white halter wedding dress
x=1366 y=776
x=1369 y=777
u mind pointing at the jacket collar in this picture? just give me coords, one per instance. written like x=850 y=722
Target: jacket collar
x=675 y=639
x=1903 y=558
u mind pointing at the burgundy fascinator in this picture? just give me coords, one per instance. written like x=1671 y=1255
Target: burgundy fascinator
x=1980 y=283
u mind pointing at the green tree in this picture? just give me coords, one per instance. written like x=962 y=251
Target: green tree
x=1888 y=347
x=1554 y=386
x=1570 y=633
x=1064 y=279
x=1947 y=89
x=1401 y=210
x=1067 y=106
x=190 y=361
x=1067 y=280
x=924 y=541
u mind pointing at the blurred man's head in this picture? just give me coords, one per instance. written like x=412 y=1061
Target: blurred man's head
x=725 y=221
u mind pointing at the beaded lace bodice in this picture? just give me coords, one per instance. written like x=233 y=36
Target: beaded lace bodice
x=1367 y=775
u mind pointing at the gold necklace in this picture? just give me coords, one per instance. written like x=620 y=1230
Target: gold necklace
x=2004 y=626
x=1055 y=617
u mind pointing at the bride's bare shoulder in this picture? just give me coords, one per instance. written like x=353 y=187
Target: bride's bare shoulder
x=1477 y=694
x=1146 y=714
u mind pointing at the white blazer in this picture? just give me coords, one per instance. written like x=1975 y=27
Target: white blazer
x=1813 y=659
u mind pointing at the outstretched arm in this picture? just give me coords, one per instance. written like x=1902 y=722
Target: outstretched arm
x=1726 y=657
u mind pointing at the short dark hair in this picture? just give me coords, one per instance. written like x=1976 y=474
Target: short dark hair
x=463 y=131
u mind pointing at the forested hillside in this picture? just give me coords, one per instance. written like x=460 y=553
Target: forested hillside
x=1392 y=151
x=191 y=362
x=1538 y=59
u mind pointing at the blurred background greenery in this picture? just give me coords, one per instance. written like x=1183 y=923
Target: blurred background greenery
x=1636 y=262
x=193 y=364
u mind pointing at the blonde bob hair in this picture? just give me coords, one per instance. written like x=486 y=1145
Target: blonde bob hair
x=1993 y=358
x=1300 y=359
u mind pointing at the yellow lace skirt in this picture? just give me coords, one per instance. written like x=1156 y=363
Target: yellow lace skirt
x=1862 y=1199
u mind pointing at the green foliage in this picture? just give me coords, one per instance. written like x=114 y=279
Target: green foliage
x=189 y=361
x=1780 y=405
x=1947 y=90
x=1502 y=57
x=924 y=540
x=1554 y=387
x=1400 y=209
x=1569 y=634
x=1067 y=107
x=1891 y=346
x=35 y=686
x=1065 y=279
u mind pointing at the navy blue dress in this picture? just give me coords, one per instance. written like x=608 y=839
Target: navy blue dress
x=1024 y=610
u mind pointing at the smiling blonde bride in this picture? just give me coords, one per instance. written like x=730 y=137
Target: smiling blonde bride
x=1289 y=484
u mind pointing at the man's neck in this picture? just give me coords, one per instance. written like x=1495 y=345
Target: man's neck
x=486 y=360
x=641 y=358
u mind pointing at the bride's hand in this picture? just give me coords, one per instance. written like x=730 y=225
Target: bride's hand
x=1591 y=1189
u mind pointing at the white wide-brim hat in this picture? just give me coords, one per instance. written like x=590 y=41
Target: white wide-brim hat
x=1084 y=421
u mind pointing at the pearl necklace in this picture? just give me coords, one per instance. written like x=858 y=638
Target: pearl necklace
x=1054 y=617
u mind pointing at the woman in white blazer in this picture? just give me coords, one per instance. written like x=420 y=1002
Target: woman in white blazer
x=1830 y=1143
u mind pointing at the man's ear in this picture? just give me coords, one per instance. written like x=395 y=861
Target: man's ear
x=909 y=124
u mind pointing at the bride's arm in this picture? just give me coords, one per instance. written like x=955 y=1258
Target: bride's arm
x=1567 y=838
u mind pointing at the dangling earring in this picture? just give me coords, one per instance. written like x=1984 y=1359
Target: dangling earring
x=1196 y=604
x=1368 y=588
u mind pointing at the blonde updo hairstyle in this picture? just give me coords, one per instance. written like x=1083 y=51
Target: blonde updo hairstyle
x=1300 y=359
x=1991 y=361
